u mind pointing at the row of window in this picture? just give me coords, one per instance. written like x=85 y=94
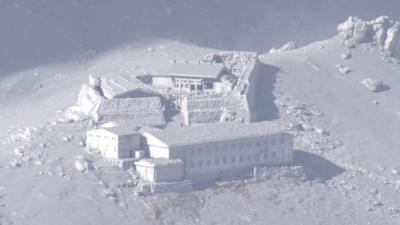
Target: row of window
x=232 y=160
x=258 y=144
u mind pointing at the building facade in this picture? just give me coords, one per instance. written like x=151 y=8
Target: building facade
x=219 y=154
x=114 y=143
x=191 y=78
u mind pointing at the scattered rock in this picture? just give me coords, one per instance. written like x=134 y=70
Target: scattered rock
x=346 y=56
x=19 y=152
x=82 y=164
x=343 y=69
x=373 y=85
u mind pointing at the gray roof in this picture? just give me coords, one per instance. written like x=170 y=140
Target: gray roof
x=197 y=70
x=197 y=134
x=154 y=162
x=121 y=130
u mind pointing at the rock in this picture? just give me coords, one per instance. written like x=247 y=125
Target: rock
x=396 y=171
x=343 y=69
x=287 y=47
x=382 y=32
x=346 y=56
x=18 y=152
x=15 y=163
x=82 y=164
x=373 y=85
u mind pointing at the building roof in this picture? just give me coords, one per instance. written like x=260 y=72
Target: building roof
x=195 y=70
x=142 y=111
x=198 y=134
x=121 y=130
x=154 y=162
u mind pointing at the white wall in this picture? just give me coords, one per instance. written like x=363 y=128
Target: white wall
x=162 y=82
x=157 y=148
x=234 y=155
x=103 y=141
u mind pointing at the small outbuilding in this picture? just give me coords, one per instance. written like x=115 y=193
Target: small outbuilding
x=114 y=142
x=160 y=169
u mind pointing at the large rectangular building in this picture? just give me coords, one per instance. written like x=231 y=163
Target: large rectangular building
x=218 y=149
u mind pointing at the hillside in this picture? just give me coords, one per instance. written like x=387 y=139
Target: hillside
x=345 y=141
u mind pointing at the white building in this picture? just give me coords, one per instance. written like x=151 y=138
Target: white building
x=115 y=142
x=224 y=148
x=193 y=78
x=160 y=169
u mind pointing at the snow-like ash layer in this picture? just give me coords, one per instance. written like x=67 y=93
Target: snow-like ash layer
x=383 y=32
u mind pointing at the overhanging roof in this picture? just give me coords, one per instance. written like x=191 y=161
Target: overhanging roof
x=199 y=134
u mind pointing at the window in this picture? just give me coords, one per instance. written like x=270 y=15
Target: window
x=265 y=156
x=208 y=162
x=200 y=163
x=240 y=145
x=208 y=85
x=273 y=141
x=233 y=146
x=281 y=140
x=208 y=150
x=200 y=150
x=216 y=148
x=273 y=155
x=257 y=157
x=249 y=158
x=266 y=142
x=224 y=148
x=224 y=161
x=240 y=158
x=216 y=161
x=233 y=159
x=258 y=144
x=249 y=144
x=191 y=164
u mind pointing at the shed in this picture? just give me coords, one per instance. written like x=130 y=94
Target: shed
x=114 y=142
x=160 y=169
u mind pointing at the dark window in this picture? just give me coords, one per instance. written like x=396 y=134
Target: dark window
x=224 y=148
x=258 y=144
x=273 y=155
x=248 y=157
x=208 y=85
x=249 y=144
x=216 y=161
x=233 y=146
x=240 y=158
x=208 y=162
x=191 y=164
x=224 y=161
x=240 y=145
x=200 y=149
x=200 y=163
x=233 y=159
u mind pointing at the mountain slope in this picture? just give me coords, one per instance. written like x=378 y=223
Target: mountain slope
x=345 y=139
